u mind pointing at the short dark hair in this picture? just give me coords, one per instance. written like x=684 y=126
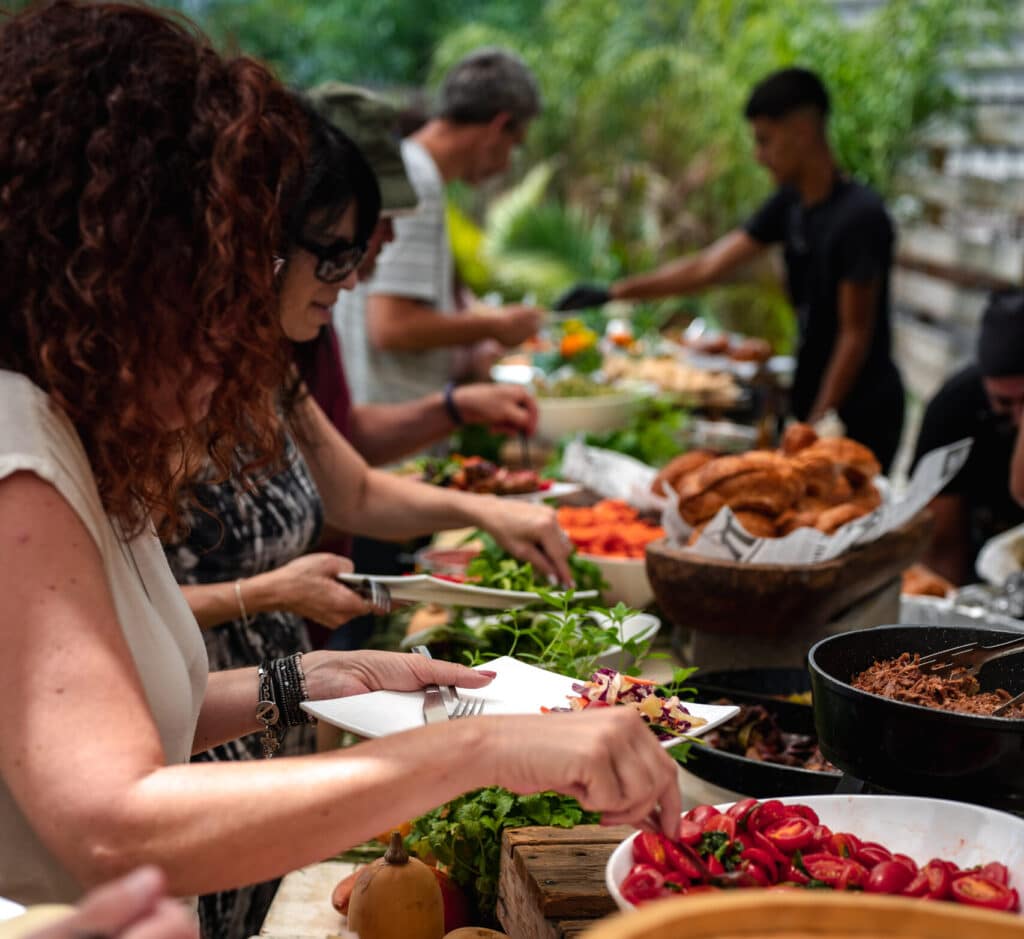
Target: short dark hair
x=1001 y=336
x=786 y=91
x=486 y=83
x=336 y=173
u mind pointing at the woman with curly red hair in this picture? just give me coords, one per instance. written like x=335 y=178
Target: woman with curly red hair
x=141 y=182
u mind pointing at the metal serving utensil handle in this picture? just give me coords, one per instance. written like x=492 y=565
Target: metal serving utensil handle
x=448 y=693
x=1013 y=702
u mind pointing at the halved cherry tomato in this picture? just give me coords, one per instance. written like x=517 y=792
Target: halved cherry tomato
x=687 y=861
x=843 y=844
x=721 y=823
x=888 y=877
x=648 y=848
x=996 y=872
x=855 y=877
x=741 y=810
x=933 y=880
x=838 y=872
x=822 y=836
x=689 y=832
x=765 y=815
x=766 y=844
x=764 y=876
x=715 y=866
x=759 y=856
x=871 y=854
x=745 y=838
x=795 y=876
x=791 y=834
x=807 y=812
x=643 y=882
x=908 y=862
x=700 y=814
x=978 y=890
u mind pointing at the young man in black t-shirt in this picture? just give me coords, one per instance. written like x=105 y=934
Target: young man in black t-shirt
x=983 y=401
x=838 y=243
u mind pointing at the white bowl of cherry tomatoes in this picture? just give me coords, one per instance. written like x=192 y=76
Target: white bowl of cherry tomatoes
x=894 y=845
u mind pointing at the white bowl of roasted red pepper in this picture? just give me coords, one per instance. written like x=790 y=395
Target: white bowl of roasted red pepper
x=896 y=845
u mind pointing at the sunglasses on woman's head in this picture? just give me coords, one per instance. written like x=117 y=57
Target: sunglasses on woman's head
x=335 y=261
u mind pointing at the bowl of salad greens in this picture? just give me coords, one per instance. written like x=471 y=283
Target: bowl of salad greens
x=579 y=404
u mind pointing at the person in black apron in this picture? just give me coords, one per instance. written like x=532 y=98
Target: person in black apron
x=837 y=240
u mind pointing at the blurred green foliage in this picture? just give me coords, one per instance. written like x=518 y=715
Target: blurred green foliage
x=644 y=150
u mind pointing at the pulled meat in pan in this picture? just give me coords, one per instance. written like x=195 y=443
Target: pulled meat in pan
x=902 y=680
x=755 y=733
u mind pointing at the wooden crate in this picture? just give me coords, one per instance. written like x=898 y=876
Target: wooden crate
x=551 y=884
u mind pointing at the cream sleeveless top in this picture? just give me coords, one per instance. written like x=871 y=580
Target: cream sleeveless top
x=158 y=625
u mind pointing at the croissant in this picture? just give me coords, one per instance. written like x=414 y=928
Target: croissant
x=756 y=524
x=766 y=491
x=798 y=437
x=831 y=520
x=854 y=460
x=674 y=471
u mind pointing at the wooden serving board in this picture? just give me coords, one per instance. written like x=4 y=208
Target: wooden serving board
x=551 y=884
x=769 y=600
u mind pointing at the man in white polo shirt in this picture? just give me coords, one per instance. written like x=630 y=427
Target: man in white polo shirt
x=401 y=333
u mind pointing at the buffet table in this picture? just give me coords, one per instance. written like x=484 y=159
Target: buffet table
x=302 y=908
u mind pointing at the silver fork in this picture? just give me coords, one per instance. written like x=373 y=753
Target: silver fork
x=467 y=707
x=970 y=656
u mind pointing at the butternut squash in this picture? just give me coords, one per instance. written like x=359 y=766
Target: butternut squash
x=396 y=897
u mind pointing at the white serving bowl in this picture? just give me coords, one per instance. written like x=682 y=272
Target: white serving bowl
x=921 y=828
x=627 y=580
x=560 y=417
x=638 y=626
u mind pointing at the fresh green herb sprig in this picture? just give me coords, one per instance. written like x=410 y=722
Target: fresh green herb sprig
x=465 y=834
x=495 y=567
x=566 y=637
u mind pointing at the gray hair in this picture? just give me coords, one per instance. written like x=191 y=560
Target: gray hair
x=486 y=83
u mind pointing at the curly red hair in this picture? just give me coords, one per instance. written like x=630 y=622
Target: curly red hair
x=142 y=178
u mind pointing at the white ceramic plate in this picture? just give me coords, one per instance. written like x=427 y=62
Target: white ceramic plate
x=518 y=689
x=922 y=828
x=424 y=588
x=9 y=909
x=556 y=490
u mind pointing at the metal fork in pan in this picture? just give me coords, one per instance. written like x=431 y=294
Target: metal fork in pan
x=971 y=656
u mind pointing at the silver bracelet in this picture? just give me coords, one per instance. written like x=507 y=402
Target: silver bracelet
x=268 y=713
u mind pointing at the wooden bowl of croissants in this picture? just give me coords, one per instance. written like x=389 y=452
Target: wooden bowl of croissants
x=812 y=482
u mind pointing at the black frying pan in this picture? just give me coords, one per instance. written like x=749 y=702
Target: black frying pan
x=911 y=749
x=755 y=777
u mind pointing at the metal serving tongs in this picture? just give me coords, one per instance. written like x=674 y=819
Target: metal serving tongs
x=1013 y=702
x=971 y=656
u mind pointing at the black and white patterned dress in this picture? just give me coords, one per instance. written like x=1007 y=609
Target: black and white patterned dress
x=242 y=534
